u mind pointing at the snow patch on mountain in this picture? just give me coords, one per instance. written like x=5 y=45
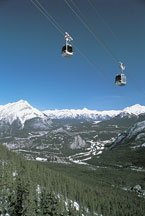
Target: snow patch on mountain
x=136 y=133
x=140 y=136
x=135 y=130
x=20 y=110
x=135 y=109
x=23 y=111
x=78 y=113
x=94 y=114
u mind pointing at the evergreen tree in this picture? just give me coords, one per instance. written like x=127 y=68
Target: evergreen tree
x=48 y=204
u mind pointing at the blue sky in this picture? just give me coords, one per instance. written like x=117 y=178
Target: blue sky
x=33 y=69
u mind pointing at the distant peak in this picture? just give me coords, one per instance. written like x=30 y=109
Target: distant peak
x=20 y=103
x=23 y=102
x=136 y=106
x=135 y=109
x=21 y=110
x=85 y=109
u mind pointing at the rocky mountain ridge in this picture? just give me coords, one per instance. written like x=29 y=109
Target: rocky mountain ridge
x=23 y=111
x=37 y=135
x=94 y=114
x=135 y=135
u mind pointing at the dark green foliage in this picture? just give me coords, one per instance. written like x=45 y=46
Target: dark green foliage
x=29 y=188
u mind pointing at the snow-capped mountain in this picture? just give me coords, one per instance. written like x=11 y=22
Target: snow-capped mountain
x=21 y=111
x=135 y=109
x=94 y=114
x=26 y=129
x=81 y=114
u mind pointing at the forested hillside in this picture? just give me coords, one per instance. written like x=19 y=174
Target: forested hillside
x=31 y=188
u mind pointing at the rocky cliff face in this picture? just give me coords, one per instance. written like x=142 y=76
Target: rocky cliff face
x=78 y=143
x=135 y=135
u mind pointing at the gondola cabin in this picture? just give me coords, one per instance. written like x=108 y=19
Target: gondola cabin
x=120 y=80
x=67 y=51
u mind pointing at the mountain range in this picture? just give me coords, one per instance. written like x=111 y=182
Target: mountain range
x=94 y=114
x=105 y=148
x=65 y=135
x=23 y=112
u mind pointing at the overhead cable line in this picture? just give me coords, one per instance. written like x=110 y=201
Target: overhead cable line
x=98 y=14
x=101 y=18
x=37 y=4
x=47 y=15
x=44 y=12
x=89 y=29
